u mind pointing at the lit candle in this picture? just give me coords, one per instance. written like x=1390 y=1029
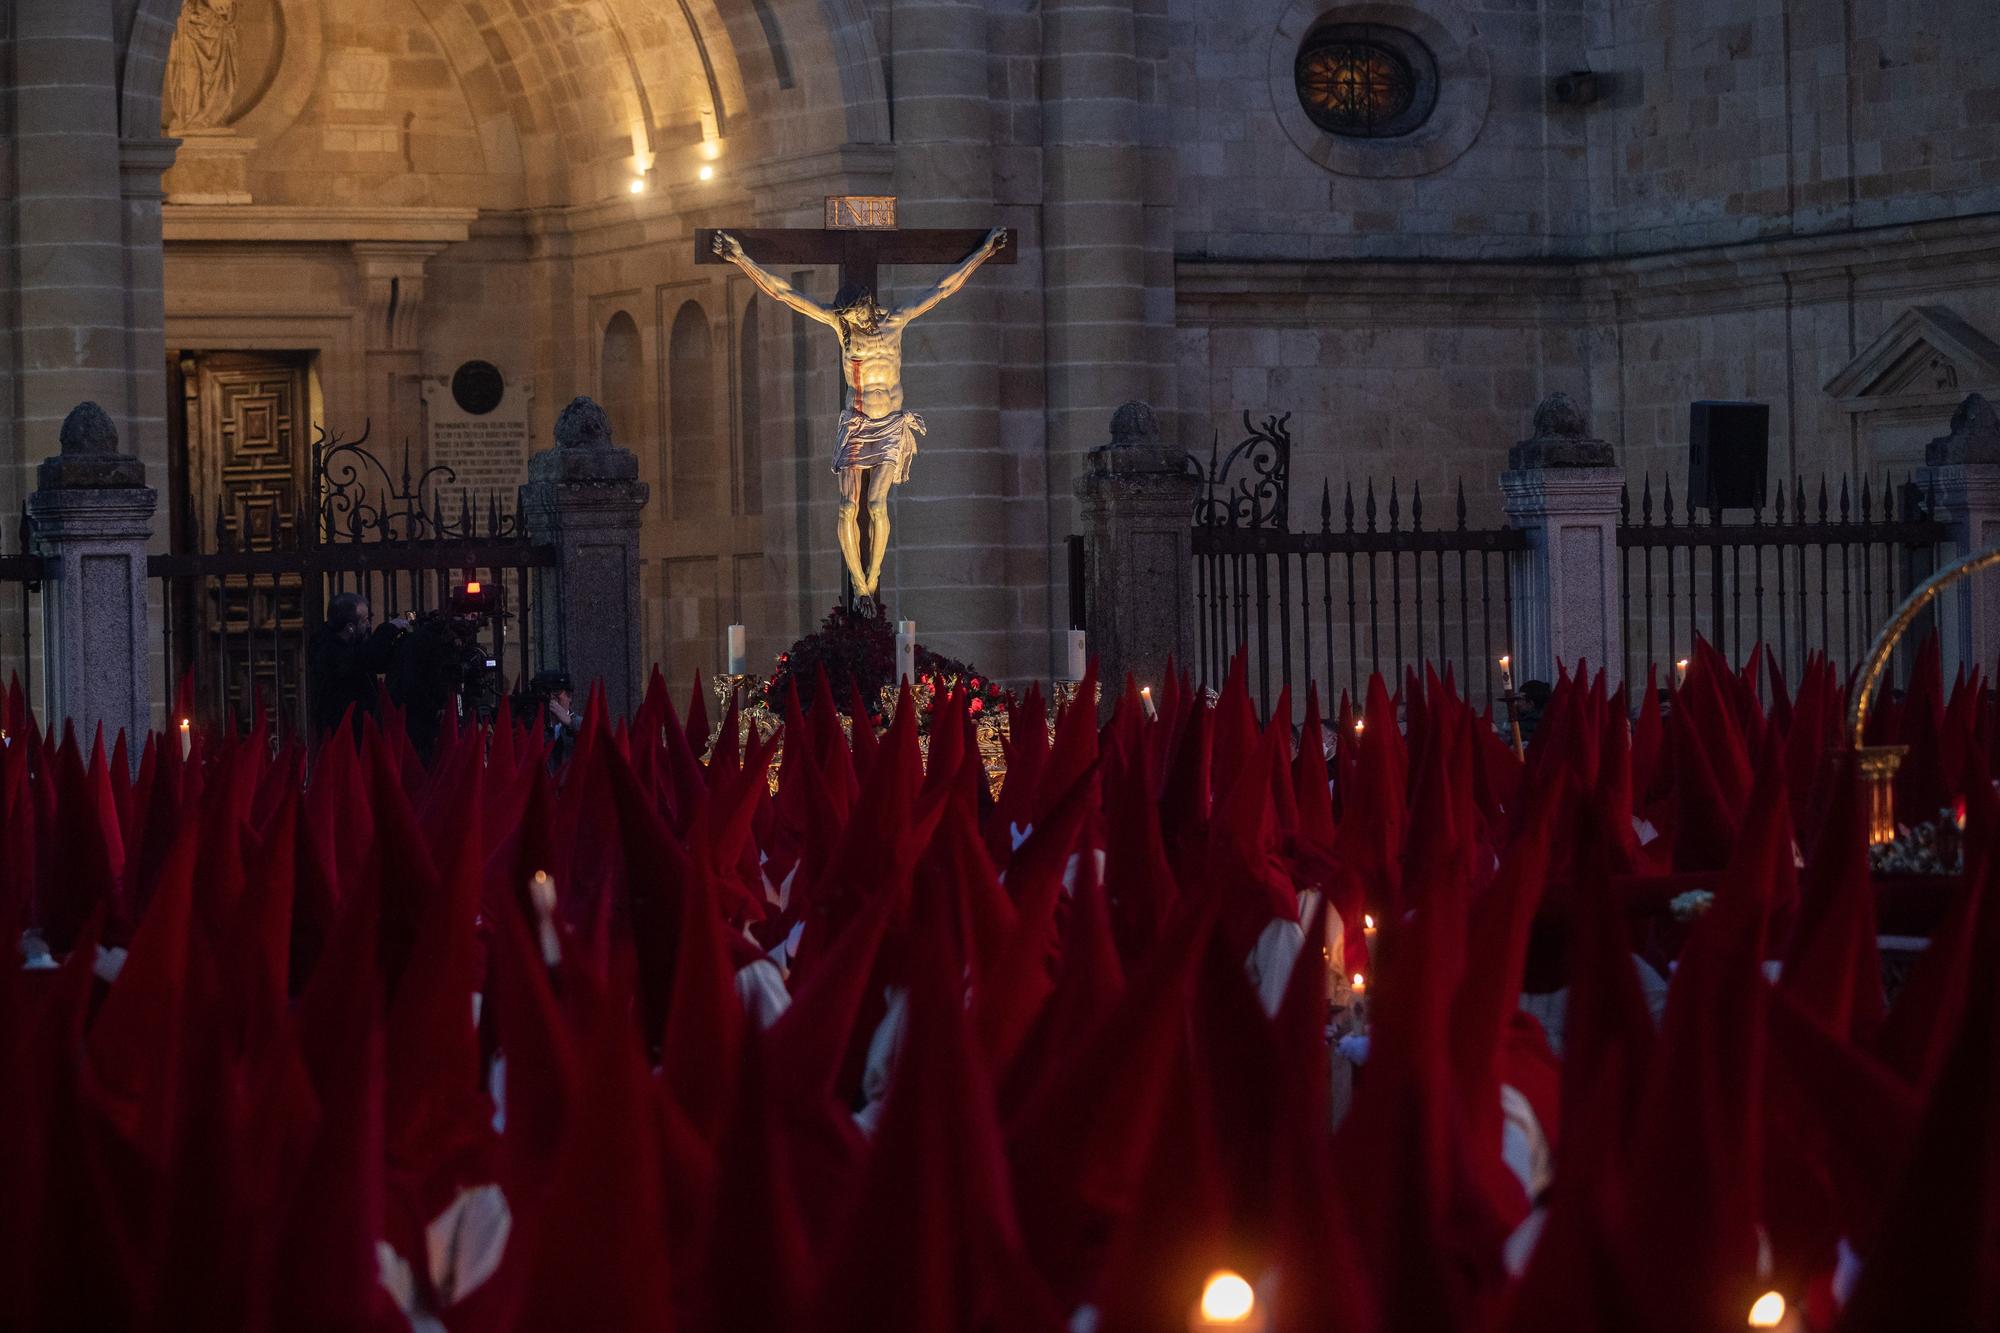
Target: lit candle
x=1227 y=1301
x=739 y=651
x=906 y=651
x=1368 y=927
x=1507 y=674
x=187 y=738
x=1359 y=984
x=1768 y=1311
x=1681 y=670
x=1360 y=725
x=1079 y=656
x=1146 y=704
x=542 y=893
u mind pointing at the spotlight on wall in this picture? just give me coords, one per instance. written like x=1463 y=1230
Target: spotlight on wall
x=706 y=171
x=638 y=185
x=1576 y=88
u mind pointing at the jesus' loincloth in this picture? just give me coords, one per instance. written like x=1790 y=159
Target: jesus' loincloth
x=889 y=441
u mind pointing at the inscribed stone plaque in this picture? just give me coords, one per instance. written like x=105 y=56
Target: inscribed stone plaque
x=487 y=452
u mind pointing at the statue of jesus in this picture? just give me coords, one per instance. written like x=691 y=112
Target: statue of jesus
x=878 y=435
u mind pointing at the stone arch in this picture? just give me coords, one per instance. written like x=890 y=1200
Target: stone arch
x=591 y=90
x=694 y=470
x=147 y=30
x=621 y=378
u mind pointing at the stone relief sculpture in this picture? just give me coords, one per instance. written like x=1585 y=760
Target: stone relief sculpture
x=201 y=65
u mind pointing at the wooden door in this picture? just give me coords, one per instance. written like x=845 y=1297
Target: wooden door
x=247 y=462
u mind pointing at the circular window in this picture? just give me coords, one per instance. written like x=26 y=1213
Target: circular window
x=477 y=387
x=1365 y=81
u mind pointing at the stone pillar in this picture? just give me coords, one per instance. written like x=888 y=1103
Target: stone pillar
x=1961 y=477
x=1094 y=259
x=1562 y=489
x=949 y=566
x=1138 y=514
x=70 y=320
x=93 y=515
x=584 y=498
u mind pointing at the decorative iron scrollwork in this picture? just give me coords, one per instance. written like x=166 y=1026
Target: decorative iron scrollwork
x=360 y=500
x=1252 y=486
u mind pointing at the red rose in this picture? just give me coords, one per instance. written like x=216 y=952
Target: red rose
x=976 y=705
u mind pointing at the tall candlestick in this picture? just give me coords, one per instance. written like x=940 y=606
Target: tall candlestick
x=1079 y=656
x=187 y=738
x=739 y=651
x=906 y=651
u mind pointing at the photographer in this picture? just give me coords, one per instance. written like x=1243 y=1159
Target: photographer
x=441 y=664
x=549 y=694
x=344 y=659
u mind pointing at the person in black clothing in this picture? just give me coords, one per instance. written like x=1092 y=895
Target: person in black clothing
x=441 y=664
x=549 y=694
x=344 y=659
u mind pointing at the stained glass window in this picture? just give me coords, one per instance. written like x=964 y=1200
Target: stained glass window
x=1360 y=88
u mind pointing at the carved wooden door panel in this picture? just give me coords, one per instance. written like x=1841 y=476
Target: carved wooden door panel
x=249 y=455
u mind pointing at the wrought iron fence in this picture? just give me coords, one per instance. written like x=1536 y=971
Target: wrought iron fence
x=1806 y=573
x=20 y=584
x=241 y=620
x=1368 y=592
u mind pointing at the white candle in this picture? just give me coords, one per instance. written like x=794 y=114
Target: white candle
x=739 y=651
x=1079 y=656
x=1507 y=675
x=187 y=738
x=1146 y=701
x=906 y=651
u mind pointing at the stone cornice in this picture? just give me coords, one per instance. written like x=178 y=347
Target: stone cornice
x=1903 y=258
x=293 y=223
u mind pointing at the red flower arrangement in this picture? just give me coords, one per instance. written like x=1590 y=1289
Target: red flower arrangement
x=858 y=647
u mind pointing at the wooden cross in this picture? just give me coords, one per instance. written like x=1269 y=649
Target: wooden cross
x=859 y=236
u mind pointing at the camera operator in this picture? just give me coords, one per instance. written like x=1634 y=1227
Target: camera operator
x=441 y=664
x=344 y=659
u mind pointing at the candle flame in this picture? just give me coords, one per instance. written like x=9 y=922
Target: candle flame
x=1505 y=661
x=1360 y=725
x=1682 y=666
x=1768 y=1311
x=184 y=724
x=1368 y=921
x=1360 y=982
x=1227 y=1299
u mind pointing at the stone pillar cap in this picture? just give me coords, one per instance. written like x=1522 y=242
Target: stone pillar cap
x=1135 y=445
x=89 y=457
x=584 y=450
x=1974 y=436
x=1562 y=438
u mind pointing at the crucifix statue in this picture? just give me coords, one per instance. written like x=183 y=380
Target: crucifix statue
x=877 y=435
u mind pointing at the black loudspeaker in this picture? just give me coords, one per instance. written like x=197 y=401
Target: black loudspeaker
x=1729 y=452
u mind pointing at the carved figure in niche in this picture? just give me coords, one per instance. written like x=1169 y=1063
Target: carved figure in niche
x=201 y=65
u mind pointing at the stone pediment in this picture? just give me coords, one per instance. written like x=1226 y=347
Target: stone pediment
x=1928 y=354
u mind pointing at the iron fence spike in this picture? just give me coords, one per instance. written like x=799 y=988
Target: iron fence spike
x=1461 y=504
